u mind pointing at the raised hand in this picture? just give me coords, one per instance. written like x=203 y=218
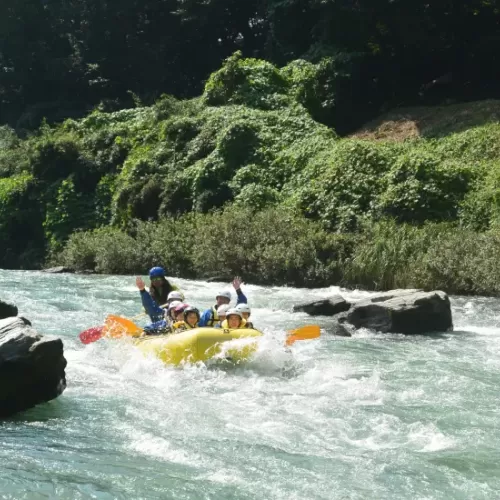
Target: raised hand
x=140 y=283
x=237 y=282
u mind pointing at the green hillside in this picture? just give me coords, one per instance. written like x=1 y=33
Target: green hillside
x=244 y=180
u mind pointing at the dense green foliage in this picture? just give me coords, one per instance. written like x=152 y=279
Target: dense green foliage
x=60 y=58
x=245 y=179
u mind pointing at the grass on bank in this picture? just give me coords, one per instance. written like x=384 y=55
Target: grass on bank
x=276 y=247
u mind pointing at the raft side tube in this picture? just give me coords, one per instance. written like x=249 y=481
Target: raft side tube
x=199 y=344
x=210 y=343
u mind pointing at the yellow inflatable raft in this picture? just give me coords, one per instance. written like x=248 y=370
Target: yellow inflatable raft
x=199 y=344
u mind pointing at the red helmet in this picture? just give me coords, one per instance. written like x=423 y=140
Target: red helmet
x=181 y=308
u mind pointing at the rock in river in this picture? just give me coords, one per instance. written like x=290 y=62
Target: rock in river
x=31 y=366
x=7 y=310
x=402 y=311
x=325 y=307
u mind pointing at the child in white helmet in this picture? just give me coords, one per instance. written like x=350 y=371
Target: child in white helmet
x=175 y=296
x=245 y=311
x=221 y=312
x=210 y=317
x=234 y=320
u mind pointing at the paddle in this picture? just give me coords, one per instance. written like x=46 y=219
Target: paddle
x=91 y=335
x=305 y=333
x=113 y=328
x=116 y=326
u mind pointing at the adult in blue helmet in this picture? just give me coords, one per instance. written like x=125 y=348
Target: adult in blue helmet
x=160 y=293
x=159 y=287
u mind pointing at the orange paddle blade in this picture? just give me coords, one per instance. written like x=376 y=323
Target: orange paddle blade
x=116 y=326
x=305 y=333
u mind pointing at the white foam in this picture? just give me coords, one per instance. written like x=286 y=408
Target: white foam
x=426 y=438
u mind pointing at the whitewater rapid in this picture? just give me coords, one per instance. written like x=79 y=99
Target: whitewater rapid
x=373 y=416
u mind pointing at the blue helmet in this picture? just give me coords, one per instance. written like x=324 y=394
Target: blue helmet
x=156 y=272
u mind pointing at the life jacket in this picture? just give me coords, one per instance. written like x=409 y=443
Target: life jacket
x=182 y=326
x=225 y=325
x=214 y=318
x=249 y=324
x=160 y=296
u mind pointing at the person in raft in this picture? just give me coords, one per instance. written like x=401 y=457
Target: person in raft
x=234 y=320
x=174 y=315
x=191 y=318
x=210 y=317
x=160 y=288
x=161 y=322
x=170 y=316
x=151 y=306
x=221 y=312
x=245 y=311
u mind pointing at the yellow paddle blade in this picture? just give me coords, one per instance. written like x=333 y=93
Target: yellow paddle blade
x=116 y=326
x=305 y=333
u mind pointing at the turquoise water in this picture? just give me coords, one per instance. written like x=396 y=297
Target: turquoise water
x=374 y=416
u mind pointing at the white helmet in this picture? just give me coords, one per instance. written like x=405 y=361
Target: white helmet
x=225 y=293
x=243 y=308
x=174 y=304
x=175 y=295
x=234 y=312
x=222 y=310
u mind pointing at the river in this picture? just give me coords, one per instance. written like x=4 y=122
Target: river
x=373 y=416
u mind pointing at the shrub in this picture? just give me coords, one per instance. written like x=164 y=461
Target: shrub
x=387 y=254
x=480 y=209
x=340 y=186
x=79 y=252
x=269 y=246
x=67 y=210
x=273 y=246
x=55 y=158
x=169 y=241
x=422 y=188
x=21 y=235
x=106 y=250
x=462 y=262
x=253 y=82
x=434 y=256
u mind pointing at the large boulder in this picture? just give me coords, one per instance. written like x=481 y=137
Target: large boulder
x=326 y=307
x=31 y=367
x=402 y=311
x=7 y=310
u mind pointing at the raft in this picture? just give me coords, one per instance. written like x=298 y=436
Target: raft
x=199 y=344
